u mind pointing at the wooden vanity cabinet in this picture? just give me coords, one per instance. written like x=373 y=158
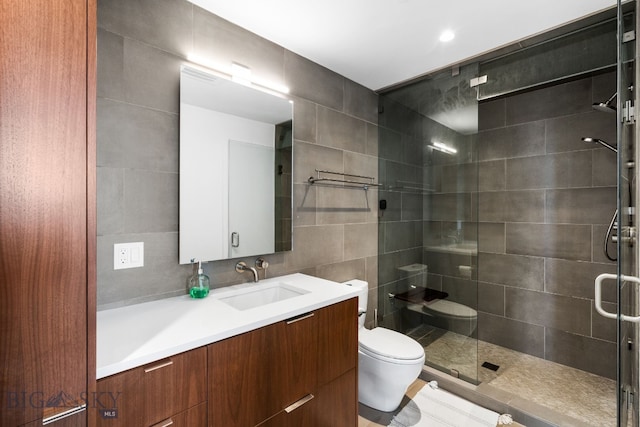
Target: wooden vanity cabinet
x=170 y=391
x=288 y=373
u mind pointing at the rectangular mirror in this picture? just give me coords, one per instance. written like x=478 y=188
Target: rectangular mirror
x=236 y=147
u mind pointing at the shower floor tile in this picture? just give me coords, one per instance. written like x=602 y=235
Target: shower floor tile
x=583 y=396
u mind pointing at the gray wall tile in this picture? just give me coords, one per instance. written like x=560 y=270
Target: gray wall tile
x=360 y=240
x=553 y=101
x=552 y=171
x=165 y=24
x=492 y=114
x=491 y=298
x=550 y=240
x=360 y=101
x=145 y=70
x=513 y=334
x=513 y=270
x=604 y=168
x=221 y=43
x=604 y=328
x=402 y=235
x=317 y=246
x=492 y=175
x=557 y=311
x=566 y=133
x=110 y=83
x=343 y=271
x=309 y=157
x=491 y=237
x=581 y=205
x=313 y=82
x=135 y=137
x=304 y=120
x=513 y=141
x=576 y=278
x=341 y=131
x=336 y=205
x=150 y=201
x=591 y=355
x=110 y=204
x=511 y=206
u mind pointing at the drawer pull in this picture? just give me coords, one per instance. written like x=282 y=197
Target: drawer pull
x=299 y=318
x=298 y=404
x=159 y=366
x=166 y=423
x=64 y=414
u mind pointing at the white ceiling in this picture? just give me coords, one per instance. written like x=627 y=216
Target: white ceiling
x=379 y=43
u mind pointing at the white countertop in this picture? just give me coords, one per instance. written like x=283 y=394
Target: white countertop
x=135 y=335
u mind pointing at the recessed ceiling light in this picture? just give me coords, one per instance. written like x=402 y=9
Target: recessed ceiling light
x=447 y=36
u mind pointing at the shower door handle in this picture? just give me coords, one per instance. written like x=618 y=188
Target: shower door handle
x=598 y=292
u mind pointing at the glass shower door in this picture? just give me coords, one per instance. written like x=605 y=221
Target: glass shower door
x=428 y=228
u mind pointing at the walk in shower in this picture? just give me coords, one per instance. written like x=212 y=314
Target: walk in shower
x=500 y=179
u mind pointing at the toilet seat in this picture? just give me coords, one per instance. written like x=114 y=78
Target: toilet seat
x=390 y=346
x=451 y=309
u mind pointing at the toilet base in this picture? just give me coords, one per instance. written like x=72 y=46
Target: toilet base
x=382 y=385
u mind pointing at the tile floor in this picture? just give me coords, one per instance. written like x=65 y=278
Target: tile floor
x=588 y=399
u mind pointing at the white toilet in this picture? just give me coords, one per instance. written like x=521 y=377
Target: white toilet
x=388 y=361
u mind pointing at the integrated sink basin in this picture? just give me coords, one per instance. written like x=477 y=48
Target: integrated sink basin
x=257 y=296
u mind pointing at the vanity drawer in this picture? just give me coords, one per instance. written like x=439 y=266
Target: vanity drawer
x=193 y=417
x=155 y=392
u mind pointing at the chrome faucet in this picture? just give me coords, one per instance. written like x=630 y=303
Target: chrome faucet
x=242 y=266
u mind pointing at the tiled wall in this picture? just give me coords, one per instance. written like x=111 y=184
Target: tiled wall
x=141 y=45
x=545 y=199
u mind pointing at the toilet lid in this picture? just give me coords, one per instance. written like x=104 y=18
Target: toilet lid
x=391 y=344
x=451 y=308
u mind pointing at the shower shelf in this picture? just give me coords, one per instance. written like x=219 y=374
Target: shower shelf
x=360 y=181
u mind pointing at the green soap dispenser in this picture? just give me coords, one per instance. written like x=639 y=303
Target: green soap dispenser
x=199 y=284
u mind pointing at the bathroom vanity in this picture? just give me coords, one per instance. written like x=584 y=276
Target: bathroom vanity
x=216 y=362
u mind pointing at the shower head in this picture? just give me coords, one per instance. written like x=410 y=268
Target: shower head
x=601 y=142
x=607 y=106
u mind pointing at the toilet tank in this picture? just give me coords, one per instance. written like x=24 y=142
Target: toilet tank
x=363 y=297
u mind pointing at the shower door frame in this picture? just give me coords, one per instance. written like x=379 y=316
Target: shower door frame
x=628 y=336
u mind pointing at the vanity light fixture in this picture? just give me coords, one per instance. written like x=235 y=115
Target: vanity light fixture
x=443 y=147
x=447 y=36
x=238 y=73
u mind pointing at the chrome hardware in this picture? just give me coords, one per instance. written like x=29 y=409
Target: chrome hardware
x=235 y=239
x=361 y=181
x=598 y=292
x=298 y=404
x=628 y=112
x=64 y=414
x=477 y=81
x=159 y=366
x=391 y=296
x=262 y=264
x=242 y=266
x=299 y=318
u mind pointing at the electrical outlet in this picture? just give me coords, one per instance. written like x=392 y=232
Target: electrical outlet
x=128 y=255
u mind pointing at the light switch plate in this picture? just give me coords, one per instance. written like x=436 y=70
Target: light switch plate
x=128 y=255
